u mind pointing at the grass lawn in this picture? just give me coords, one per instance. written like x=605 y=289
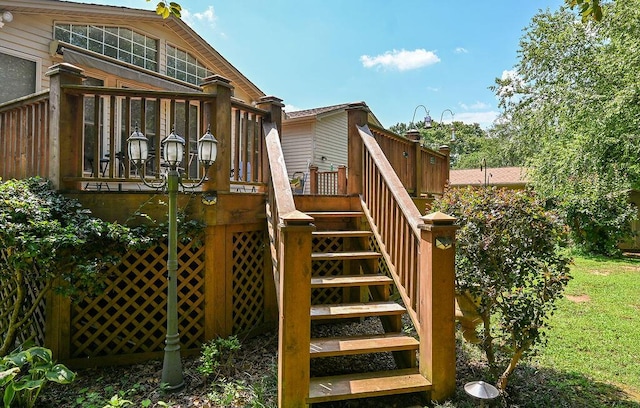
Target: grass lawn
x=596 y=330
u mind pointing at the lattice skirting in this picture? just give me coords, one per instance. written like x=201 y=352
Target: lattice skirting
x=34 y=332
x=248 y=280
x=130 y=316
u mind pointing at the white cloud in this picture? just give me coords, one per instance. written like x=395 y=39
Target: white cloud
x=461 y=50
x=291 y=108
x=402 y=60
x=433 y=89
x=484 y=119
x=475 y=106
x=207 y=16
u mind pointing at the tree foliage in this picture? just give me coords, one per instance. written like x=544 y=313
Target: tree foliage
x=510 y=261
x=572 y=108
x=472 y=145
x=50 y=242
x=168 y=9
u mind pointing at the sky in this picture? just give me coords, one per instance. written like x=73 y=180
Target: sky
x=395 y=55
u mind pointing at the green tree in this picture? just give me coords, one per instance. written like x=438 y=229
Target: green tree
x=49 y=242
x=572 y=110
x=510 y=262
x=472 y=145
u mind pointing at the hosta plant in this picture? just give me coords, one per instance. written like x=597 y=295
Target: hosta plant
x=24 y=373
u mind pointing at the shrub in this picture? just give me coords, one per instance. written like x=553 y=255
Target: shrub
x=218 y=355
x=50 y=242
x=510 y=262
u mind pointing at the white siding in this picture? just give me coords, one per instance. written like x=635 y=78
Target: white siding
x=297 y=146
x=331 y=141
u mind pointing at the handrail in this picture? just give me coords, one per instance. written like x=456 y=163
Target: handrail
x=290 y=241
x=395 y=220
x=25 y=100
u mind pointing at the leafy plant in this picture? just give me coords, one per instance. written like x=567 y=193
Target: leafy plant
x=50 y=242
x=117 y=401
x=510 y=261
x=24 y=373
x=217 y=356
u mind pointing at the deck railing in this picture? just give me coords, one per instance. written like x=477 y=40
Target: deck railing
x=24 y=137
x=328 y=182
x=290 y=241
x=419 y=253
x=422 y=171
x=76 y=135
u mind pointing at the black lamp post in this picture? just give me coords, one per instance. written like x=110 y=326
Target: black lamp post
x=172 y=155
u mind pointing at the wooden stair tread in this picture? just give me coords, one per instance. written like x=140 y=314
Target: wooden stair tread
x=347 y=234
x=333 y=214
x=364 y=385
x=350 y=280
x=327 y=256
x=349 y=310
x=379 y=343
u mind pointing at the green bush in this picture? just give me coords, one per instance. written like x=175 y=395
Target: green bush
x=217 y=356
x=24 y=373
x=50 y=242
x=510 y=260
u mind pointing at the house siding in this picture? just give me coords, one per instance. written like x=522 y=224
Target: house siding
x=331 y=141
x=298 y=146
x=30 y=35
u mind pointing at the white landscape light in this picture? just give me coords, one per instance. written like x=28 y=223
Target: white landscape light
x=482 y=391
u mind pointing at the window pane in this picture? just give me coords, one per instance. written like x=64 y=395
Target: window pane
x=18 y=72
x=96 y=33
x=95 y=46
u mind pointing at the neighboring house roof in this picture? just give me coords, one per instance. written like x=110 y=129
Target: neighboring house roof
x=67 y=10
x=496 y=176
x=325 y=110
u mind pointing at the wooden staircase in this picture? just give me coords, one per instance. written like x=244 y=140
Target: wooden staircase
x=347 y=285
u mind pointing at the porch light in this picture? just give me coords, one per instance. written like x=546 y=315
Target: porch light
x=138 y=147
x=207 y=148
x=173 y=149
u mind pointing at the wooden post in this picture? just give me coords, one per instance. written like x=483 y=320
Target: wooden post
x=436 y=307
x=57 y=332
x=313 y=179
x=274 y=106
x=342 y=180
x=357 y=114
x=65 y=127
x=295 y=307
x=220 y=118
x=419 y=167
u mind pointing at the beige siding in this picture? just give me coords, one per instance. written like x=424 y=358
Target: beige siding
x=331 y=141
x=31 y=35
x=297 y=146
